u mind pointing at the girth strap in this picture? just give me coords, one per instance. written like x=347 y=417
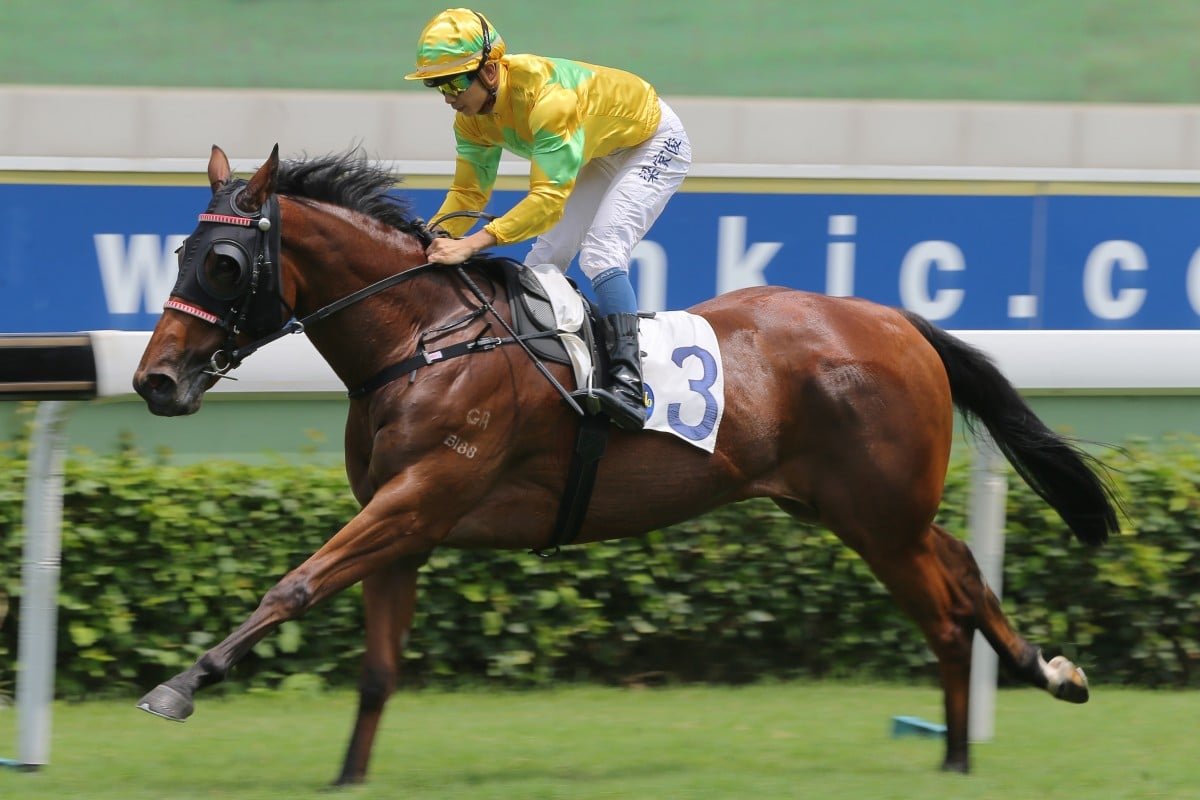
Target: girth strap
x=590 y=444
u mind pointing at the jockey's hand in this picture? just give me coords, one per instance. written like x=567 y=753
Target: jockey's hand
x=456 y=251
x=448 y=251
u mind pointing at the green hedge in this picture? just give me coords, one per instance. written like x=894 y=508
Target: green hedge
x=160 y=561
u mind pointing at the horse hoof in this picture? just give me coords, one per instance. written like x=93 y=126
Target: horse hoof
x=1067 y=681
x=163 y=701
x=959 y=766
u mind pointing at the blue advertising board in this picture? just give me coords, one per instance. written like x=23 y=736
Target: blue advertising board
x=91 y=257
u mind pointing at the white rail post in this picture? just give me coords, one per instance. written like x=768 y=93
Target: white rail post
x=39 y=583
x=989 y=489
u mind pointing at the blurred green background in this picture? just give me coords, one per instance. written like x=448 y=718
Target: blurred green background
x=1022 y=50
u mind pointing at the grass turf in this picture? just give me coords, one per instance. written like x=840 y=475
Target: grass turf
x=777 y=741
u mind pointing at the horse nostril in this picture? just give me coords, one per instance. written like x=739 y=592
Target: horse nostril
x=156 y=384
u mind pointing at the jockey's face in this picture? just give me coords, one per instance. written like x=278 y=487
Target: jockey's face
x=478 y=96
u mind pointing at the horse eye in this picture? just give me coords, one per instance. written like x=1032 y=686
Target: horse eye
x=224 y=270
x=222 y=276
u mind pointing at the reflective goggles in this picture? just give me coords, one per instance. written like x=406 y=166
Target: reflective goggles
x=452 y=85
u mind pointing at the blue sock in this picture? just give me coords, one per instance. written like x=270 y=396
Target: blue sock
x=614 y=292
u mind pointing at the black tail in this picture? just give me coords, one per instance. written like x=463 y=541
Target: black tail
x=1072 y=481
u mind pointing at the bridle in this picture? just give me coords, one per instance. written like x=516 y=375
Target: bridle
x=240 y=303
x=227 y=274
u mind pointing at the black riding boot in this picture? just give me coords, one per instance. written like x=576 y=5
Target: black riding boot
x=625 y=400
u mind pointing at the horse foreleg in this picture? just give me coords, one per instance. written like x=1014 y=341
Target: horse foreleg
x=384 y=532
x=389 y=600
x=173 y=699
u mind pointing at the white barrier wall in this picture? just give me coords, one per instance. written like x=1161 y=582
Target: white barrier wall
x=1101 y=362
x=405 y=126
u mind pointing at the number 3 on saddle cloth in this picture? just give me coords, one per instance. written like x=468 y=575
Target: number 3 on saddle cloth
x=681 y=361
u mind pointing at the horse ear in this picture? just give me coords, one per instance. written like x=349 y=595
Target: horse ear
x=262 y=185
x=218 y=169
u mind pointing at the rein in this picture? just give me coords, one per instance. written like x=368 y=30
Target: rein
x=237 y=355
x=227 y=359
x=423 y=357
x=234 y=357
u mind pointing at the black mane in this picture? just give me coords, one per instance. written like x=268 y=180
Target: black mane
x=351 y=181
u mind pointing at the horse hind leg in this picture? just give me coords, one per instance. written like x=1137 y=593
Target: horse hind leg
x=914 y=572
x=962 y=604
x=926 y=578
x=1058 y=676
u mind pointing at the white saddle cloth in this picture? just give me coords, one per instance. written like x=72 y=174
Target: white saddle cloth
x=681 y=363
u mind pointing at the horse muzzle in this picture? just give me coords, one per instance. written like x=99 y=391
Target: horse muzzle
x=164 y=395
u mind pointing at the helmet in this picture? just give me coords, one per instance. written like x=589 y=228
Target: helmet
x=456 y=40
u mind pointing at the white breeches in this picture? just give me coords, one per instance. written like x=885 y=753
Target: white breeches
x=616 y=199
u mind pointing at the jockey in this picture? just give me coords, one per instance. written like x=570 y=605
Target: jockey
x=605 y=152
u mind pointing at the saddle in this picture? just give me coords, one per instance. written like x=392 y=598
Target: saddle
x=533 y=312
x=534 y=320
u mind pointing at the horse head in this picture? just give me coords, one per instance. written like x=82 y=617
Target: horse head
x=285 y=252
x=227 y=291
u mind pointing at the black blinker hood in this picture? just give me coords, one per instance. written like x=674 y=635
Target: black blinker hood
x=254 y=306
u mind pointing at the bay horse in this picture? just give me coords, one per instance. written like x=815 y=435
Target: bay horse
x=838 y=409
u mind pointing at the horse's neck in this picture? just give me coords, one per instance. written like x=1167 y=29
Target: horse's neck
x=330 y=255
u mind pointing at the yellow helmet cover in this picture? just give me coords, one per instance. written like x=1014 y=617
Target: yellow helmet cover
x=456 y=40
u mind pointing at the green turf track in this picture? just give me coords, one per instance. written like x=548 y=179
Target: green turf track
x=1027 y=50
x=778 y=742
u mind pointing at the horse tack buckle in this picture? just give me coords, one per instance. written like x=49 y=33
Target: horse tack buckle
x=216 y=369
x=486 y=343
